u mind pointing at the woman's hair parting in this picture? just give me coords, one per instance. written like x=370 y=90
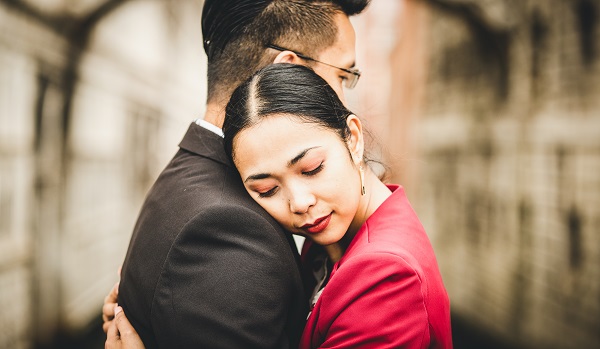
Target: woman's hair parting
x=288 y=89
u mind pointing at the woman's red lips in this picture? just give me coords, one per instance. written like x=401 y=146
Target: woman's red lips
x=318 y=226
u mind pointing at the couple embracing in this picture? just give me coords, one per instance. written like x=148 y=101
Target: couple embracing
x=212 y=262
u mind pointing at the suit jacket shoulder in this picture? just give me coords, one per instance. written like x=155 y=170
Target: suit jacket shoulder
x=200 y=242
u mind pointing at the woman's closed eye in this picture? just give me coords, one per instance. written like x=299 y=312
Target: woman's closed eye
x=267 y=193
x=314 y=171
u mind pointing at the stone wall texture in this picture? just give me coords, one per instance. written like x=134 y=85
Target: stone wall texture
x=490 y=116
x=94 y=97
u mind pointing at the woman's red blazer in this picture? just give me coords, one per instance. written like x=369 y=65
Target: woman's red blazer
x=386 y=291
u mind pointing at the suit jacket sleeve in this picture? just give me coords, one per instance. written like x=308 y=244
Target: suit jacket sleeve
x=376 y=301
x=225 y=284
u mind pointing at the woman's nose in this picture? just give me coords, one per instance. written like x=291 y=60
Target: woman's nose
x=301 y=201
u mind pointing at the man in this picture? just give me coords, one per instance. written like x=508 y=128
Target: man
x=206 y=266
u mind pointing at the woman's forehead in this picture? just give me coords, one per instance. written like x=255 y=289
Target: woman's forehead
x=281 y=126
x=279 y=138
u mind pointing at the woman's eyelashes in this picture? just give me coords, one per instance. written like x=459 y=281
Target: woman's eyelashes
x=268 y=193
x=314 y=171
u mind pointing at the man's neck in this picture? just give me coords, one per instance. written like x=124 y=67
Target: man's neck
x=215 y=114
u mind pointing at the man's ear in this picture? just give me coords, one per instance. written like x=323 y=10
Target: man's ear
x=287 y=57
x=356 y=141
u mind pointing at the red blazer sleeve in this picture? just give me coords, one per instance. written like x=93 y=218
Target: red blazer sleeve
x=375 y=300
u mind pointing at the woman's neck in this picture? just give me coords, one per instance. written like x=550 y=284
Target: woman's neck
x=376 y=193
x=335 y=251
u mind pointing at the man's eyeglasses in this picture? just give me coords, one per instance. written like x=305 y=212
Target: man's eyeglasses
x=353 y=74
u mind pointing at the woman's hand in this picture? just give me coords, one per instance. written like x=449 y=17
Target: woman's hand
x=121 y=335
x=110 y=302
x=108 y=309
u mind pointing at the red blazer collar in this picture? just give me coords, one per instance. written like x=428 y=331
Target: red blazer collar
x=393 y=211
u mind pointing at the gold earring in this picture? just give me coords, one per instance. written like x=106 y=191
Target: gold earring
x=362 y=180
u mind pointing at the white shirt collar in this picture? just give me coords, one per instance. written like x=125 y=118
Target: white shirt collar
x=207 y=125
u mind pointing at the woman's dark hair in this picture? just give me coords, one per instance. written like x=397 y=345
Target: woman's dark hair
x=289 y=89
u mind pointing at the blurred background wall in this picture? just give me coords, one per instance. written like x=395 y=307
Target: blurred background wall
x=487 y=111
x=490 y=114
x=94 y=96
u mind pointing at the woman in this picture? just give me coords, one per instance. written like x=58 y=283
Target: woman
x=300 y=155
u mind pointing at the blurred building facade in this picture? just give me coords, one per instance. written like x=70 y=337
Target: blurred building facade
x=485 y=110
x=493 y=124
x=93 y=97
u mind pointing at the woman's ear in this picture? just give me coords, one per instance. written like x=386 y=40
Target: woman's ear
x=287 y=57
x=356 y=141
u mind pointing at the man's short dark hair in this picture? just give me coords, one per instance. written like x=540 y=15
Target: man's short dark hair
x=236 y=33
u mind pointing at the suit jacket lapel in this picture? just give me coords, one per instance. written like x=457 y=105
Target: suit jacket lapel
x=205 y=143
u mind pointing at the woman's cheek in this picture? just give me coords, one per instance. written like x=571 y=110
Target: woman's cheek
x=277 y=210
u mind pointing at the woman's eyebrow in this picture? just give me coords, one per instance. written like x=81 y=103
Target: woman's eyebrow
x=290 y=164
x=257 y=176
x=300 y=156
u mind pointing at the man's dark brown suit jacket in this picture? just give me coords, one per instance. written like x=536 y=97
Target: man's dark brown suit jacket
x=206 y=266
